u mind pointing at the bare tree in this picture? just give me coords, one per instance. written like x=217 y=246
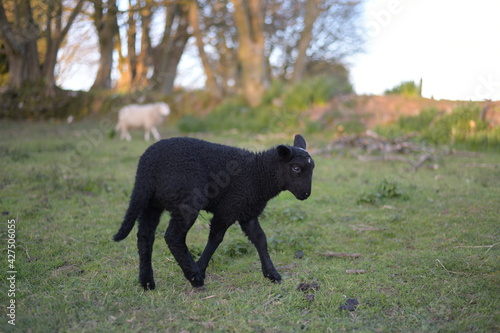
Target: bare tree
x=135 y=65
x=168 y=53
x=20 y=33
x=241 y=44
x=79 y=52
x=105 y=22
x=218 y=49
x=249 y=20
x=4 y=67
x=144 y=58
x=151 y=66
x=55 y=33
x=312 y=11
x=244 y=44
x=304 y=31
x=211 y=84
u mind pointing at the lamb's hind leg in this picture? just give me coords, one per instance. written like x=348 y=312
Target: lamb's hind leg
x=257 y=236
x=148 y=221
x=218 y=229
x=175 y=236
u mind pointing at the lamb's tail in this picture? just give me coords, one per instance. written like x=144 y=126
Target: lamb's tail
x=138 y=201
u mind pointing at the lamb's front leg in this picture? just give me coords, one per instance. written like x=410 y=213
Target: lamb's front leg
x=257 y=236
x=156 y=134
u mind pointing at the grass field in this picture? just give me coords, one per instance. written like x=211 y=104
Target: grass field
x=430 y=248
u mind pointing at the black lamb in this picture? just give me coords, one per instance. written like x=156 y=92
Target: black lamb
x=186 y=175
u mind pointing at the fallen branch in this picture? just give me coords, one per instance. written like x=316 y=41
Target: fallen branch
x=341 y=254
x=416 y=165
x=388 y=149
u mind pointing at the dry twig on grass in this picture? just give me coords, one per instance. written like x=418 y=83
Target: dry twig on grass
x=355 y=271
x=446 y=269
x=341 y=254
x=478 y=246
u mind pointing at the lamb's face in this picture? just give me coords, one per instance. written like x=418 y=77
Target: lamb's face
x=299 y=174
x=296 y=171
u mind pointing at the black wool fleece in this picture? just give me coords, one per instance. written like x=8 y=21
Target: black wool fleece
x=187 y=175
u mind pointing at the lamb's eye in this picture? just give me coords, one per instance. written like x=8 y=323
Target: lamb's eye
x=296 y=168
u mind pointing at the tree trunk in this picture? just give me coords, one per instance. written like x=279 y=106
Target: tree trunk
x=103 y=77
x=123 y=82
x=169 y=52
x=20 y=43
x=228 y=65
x=131 y=39
x=54 y=40
x=313 y=10
x=211 y=83
x=249 y=19
x=144 y=61
x=24 y=64
x=107 y=30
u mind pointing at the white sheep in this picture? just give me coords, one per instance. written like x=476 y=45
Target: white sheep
x=147 y=116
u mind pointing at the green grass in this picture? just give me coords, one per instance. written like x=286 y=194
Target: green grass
x=425 y=252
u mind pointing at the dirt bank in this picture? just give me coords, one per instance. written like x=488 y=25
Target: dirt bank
x=380 y=110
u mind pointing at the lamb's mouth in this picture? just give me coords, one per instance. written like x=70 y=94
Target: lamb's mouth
x=302 y=196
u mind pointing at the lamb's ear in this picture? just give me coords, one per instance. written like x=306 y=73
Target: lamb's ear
x=299 y=142
x=284 y=152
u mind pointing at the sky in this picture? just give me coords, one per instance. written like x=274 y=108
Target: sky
x=452 y=45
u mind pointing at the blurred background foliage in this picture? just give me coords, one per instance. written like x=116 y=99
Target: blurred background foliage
x=286 y=74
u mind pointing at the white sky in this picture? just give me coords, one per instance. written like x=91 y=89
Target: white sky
x=453 y=45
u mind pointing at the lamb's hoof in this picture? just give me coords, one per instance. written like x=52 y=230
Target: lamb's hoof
x=196 y=281
x=274 y=277
x=148 y=285
x=199 y=289
x=147 y=281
